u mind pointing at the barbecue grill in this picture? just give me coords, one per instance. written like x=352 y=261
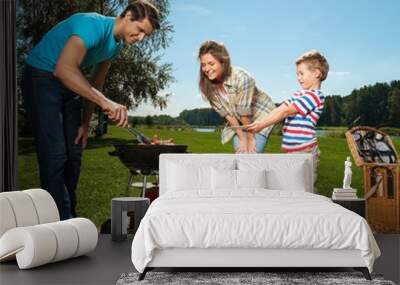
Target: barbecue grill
x=143 y=159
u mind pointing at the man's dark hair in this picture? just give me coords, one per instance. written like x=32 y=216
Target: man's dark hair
x=142 y=9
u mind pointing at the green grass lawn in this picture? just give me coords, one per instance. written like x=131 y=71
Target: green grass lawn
x=104 y=177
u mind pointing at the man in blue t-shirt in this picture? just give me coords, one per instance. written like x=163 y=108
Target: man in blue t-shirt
x=53 y=87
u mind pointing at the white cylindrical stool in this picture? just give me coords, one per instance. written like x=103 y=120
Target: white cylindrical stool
x=126 y=214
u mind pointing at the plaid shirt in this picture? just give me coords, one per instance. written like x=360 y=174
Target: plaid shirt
x=242 y=98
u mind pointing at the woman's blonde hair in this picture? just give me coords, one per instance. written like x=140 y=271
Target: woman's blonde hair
x=219 y=51
x=315 y=60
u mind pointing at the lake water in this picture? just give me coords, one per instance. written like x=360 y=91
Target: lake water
x=320 y=133
x=204 y=130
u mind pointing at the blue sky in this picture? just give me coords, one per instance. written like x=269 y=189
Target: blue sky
x=360 y=39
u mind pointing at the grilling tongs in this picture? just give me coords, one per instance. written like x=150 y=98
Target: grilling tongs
x=139 y=136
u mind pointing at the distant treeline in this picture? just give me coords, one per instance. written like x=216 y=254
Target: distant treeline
x=374 y=105
x=201 y=117
x=156 y=120
x=195 y=117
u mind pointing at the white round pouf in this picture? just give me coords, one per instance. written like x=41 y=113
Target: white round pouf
x=31 y=233
x=67 y=240
x=32 y=246
x=7 y=220
x=87 y=235
x=23 y=208
x=45 y=206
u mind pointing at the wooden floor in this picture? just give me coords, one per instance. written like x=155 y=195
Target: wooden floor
x=111 y=259
x=103 y=266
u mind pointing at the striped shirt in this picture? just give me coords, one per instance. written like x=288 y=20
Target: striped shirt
x=299 y=129
x=241 y=97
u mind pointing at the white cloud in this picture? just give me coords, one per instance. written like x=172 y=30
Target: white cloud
x=339 y=73
x=175 y=105
x=195 y=9
x=149 y=109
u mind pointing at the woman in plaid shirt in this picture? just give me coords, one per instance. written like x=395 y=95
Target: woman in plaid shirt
x=233 y=94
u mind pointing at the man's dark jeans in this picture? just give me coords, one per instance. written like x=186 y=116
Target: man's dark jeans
x=55 y=113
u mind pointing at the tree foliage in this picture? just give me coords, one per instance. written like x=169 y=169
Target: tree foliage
x=158 y=120
x=148 y=121
x=394 y=107
x=332 y=114
x=370 y=104
x=201 y=117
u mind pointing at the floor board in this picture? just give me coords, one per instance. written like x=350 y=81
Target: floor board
x=111 y=259
x=102 y=266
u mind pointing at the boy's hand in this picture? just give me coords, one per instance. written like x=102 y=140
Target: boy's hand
x=254 y=127
x=251 y=143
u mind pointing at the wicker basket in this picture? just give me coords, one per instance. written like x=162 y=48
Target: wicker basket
x=381 y=186
x=358 y=159
x=382 y=197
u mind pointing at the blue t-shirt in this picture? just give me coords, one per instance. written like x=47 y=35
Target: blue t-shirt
x=96 y=32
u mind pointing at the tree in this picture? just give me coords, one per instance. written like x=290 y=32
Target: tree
x=369 y=103
x=148 y=121
x=394 y=107
x=201 y=117
x=374 y=105
x=133 y=121
x=325 y=119
x=137 y=75
x=349 y=108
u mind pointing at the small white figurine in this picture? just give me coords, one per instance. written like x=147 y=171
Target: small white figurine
x=347 y=174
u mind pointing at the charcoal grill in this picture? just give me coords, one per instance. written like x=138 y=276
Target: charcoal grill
x=143 y=159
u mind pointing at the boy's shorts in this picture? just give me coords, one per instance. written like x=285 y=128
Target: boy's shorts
x=316 y=153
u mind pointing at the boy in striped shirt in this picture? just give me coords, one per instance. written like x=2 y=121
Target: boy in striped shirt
x=302 y=111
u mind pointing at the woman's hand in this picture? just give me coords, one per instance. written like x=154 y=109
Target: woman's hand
x=251 y=143
x=242 y=148
x=254 y=127
x=82 y=136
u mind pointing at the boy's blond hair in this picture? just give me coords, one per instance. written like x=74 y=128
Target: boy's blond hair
x=315 y=60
